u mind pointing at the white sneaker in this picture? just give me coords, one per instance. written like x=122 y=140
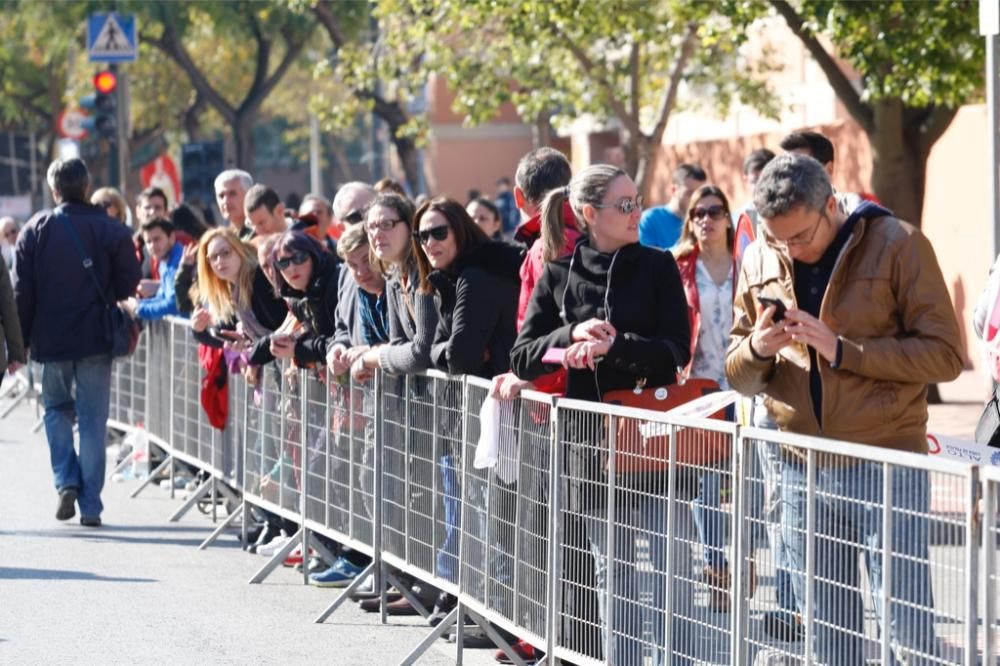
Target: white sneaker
x=269 y=549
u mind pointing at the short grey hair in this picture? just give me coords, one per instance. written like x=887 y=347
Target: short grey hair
x=246 y=180
x=70 y=179
x=788 y=182
x=346 y=191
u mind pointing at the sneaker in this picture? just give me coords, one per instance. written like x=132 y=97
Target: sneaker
x=366 y=590
x=524 y=650
x=784 y=625
x=67 y=500
x=445 y=604
x=269 y=549
x=339 y=575
x=295 y=558
x=90 y=521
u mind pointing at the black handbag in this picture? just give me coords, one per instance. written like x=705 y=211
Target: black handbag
x=121 y=328
x=988 y=428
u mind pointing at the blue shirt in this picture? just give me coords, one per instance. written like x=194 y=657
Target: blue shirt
x=164 y=301
x=374 y=314
x=659 y=227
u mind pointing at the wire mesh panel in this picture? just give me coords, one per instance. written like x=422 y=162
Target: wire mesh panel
x=989 y=605
x=128 y=386
x=232 y=446
x=362 y=431
x=272 y=442
x=189 y=425
x=321 y=409
x=505 y=530
x=157 y=419
x=286 y=472
x=875 y=545
x=395 y=442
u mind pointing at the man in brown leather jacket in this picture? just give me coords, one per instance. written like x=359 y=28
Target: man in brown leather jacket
x=869 y=324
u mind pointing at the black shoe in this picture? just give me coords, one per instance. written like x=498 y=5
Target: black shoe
x=90 y=521
x=784 y=625
x=445 y=604
x=67 y=501
x=270 y=532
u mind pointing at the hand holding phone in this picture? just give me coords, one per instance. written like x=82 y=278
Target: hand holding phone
x=779 y=307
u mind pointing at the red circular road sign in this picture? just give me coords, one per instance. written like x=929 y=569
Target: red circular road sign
x=71 y=124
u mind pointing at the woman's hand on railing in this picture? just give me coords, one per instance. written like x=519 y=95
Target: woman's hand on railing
x=336 y=359
x=508 y=386
x=360 y=371
x=282 y=346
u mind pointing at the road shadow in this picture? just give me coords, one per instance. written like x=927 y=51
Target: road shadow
x=23 y=573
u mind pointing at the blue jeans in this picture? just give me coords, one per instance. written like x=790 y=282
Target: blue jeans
x=769 y=456
x=89 y=403
x=709 y=519
x=451 y=489
x=638 y=613
x=848 y=505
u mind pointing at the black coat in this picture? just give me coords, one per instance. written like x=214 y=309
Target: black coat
x=63 y=316
x=648 y=310
x=270 y=311
x=477 y=311
x=642 y=288
x=316 y=307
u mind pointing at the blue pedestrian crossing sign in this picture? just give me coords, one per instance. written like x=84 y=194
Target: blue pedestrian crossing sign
x=111 y=37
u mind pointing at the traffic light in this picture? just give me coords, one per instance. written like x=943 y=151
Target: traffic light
x=102 y=105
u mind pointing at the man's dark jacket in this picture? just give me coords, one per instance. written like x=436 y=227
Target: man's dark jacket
x=63 y=317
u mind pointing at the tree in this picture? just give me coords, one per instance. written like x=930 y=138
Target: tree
x=625 y=62
x=917 y=62
x=256 y=27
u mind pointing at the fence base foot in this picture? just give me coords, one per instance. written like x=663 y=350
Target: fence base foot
x=149 y=479
x=428 y=641
x=191 y=501
x=126 y=461
x=408 y=595
x=218 y=530
x=343 y=596
x=277 y=558
x=497 y=639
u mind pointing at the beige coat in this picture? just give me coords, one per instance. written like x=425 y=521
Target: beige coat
x=888 y=303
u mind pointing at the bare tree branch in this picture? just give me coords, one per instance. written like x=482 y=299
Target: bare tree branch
x=171 y=47
x=936 y=123
x=860 y=111
x=324 y=12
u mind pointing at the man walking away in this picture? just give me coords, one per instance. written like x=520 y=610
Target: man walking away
x=66 y=325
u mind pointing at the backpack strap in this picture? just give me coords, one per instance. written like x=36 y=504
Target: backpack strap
x=88 y=263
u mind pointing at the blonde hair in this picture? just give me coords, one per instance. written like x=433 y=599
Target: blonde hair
x=115 y=196
x=214 y=292
x=354 y=237
x=587 y=187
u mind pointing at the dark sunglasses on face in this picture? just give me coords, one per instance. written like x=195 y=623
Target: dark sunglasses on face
x=438 y=233
x=298 y=259
x=713 y=212
x=354 y=216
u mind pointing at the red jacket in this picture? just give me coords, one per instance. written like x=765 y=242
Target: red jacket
x=531 y=270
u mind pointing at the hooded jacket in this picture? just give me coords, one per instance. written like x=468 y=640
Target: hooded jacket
x=477 y=311
x=889 y=306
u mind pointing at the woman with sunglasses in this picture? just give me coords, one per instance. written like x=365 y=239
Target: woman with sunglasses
x=704 y=256
x=306 y=276
x=617 y=314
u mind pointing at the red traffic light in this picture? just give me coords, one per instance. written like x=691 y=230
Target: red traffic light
x=105 y=82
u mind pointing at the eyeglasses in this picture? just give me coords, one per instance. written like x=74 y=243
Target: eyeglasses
x=298 y=259
x=438 y=233
x=625 y=206
x=376 y=226
x=221 y=254
x=798 y=240
x=713 y=212
x=354 y=216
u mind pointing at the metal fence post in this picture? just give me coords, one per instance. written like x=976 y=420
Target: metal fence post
x=887 y=501
x=554 y=556
x=972 y=525
x=671 y=537
x=739 y=470
x=609 y=556
x=989 y=584
x=810 y=572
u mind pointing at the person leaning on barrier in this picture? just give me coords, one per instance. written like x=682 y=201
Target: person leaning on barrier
x=869 y=324
x=618 y=310
x=161 y=243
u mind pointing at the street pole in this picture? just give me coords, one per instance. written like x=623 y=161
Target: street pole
x=114 y=166
x=989 y=25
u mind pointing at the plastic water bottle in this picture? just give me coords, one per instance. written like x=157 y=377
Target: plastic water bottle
x=140 y=452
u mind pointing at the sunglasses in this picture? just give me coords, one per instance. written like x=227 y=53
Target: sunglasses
x=298 y=259
x=106 y=204
x=713 y=212
x=624 y=206
x=438 y=233
x=354 y=216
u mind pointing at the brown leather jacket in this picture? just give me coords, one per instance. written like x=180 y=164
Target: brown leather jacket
x=888 y=303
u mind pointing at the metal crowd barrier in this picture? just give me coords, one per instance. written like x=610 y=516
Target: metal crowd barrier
x=577 y=538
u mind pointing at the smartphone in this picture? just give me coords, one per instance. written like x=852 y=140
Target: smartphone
x=779 y=307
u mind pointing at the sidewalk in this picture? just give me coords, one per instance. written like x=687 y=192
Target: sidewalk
x=137 y=591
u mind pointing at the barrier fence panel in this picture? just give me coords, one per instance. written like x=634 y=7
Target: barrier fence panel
x=340 y=463
x=128 y=388
x=505 y=524
x=824 y=505
x=990 y=579
x=232 y=442
x=189 y=424
x=157 y=420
